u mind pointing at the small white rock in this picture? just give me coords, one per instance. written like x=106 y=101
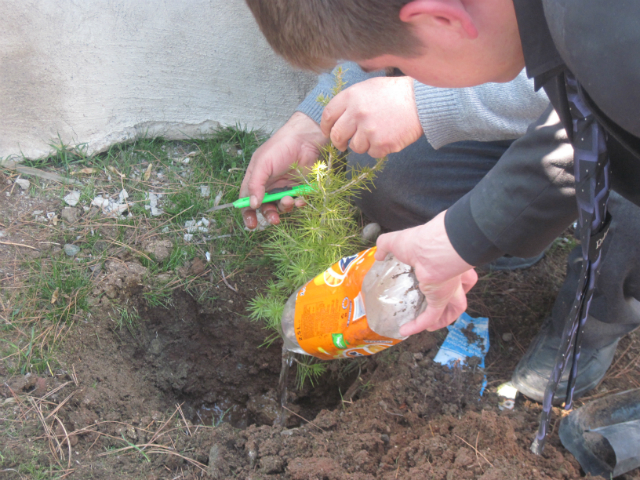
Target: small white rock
x=99 y=201
x=72 y=198
x=188 y=237
x=216 y=200
x=190 y=225
x=153 y=204
x=23 y=183
x=205 y=191
x=371 y=232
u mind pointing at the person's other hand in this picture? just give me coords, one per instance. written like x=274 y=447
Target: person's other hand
x=444 y=277
x=378 y=115
x=298 y=140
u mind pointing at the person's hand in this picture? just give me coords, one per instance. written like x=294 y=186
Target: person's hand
x=444 y=277
x=378 y=115
x=298 y=140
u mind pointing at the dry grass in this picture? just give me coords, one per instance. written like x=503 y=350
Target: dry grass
x=47 y=414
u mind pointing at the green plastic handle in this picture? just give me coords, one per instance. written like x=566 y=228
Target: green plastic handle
x=272 y=197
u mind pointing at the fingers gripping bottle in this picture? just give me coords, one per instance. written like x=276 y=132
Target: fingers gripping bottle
x=354 y=308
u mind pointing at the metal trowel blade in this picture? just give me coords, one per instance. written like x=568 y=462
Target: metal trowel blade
x=220 y=207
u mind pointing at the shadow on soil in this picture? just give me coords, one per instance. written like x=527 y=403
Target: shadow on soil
x=212 y=360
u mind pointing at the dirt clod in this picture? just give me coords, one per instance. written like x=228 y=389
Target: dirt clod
x=197 y=267
x=70 y=214
x=160 y=249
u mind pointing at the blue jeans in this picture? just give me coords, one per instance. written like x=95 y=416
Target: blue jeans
x=419 y=182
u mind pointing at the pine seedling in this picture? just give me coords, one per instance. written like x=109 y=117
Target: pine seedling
x=308 y=368
x=310 y=239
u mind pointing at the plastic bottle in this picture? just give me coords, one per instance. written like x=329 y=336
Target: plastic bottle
x=354 y=308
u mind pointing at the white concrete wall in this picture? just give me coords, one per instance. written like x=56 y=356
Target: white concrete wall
x=104 y=71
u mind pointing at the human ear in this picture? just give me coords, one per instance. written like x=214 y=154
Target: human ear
x=445 y=13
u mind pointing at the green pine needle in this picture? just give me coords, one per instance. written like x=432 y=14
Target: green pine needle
x=308 y=368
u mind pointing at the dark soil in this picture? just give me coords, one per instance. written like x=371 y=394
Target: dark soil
x=472 y=337
x=192 y=387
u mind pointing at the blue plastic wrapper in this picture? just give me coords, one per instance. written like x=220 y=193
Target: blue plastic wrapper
x=456 y=348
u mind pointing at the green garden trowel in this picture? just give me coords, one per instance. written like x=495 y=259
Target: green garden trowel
x=272 y=196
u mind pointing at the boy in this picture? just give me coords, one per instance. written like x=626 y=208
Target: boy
x=581 y=53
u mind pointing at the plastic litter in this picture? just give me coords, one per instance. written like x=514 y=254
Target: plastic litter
x=458 y=349
x=354 y=308
x=507 y=396
x=604 y=435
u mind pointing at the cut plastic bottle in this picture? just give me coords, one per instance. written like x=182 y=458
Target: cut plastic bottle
x=354 y=308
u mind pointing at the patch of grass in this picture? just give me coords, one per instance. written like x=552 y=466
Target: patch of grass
x=35 y=471
x=159 y=297
x=128 y=318
x=20 y=455
x=55 y=294
x=189 y=175
x=63 y=291
x=32 y=357
x=180 y=254
x=62 y=155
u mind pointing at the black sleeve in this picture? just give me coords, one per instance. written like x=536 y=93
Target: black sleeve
x=523 y=203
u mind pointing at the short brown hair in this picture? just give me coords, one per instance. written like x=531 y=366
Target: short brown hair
x=314 y=34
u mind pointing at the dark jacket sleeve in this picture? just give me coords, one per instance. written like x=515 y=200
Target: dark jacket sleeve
x=523 y=203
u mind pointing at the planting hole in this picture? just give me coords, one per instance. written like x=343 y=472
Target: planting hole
x=212 y=360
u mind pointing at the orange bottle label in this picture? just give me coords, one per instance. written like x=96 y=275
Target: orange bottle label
x=330 y=320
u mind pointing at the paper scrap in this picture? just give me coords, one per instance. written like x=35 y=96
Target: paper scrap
x=457 y=348
x=153 y=204
x=72 y=198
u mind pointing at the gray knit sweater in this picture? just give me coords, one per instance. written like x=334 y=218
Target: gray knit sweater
x=489 y=112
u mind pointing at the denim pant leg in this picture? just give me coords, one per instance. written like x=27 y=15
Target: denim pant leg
x=419 y=182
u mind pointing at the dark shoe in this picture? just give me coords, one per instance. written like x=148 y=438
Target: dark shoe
x=534 y=369
x=512 y=263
